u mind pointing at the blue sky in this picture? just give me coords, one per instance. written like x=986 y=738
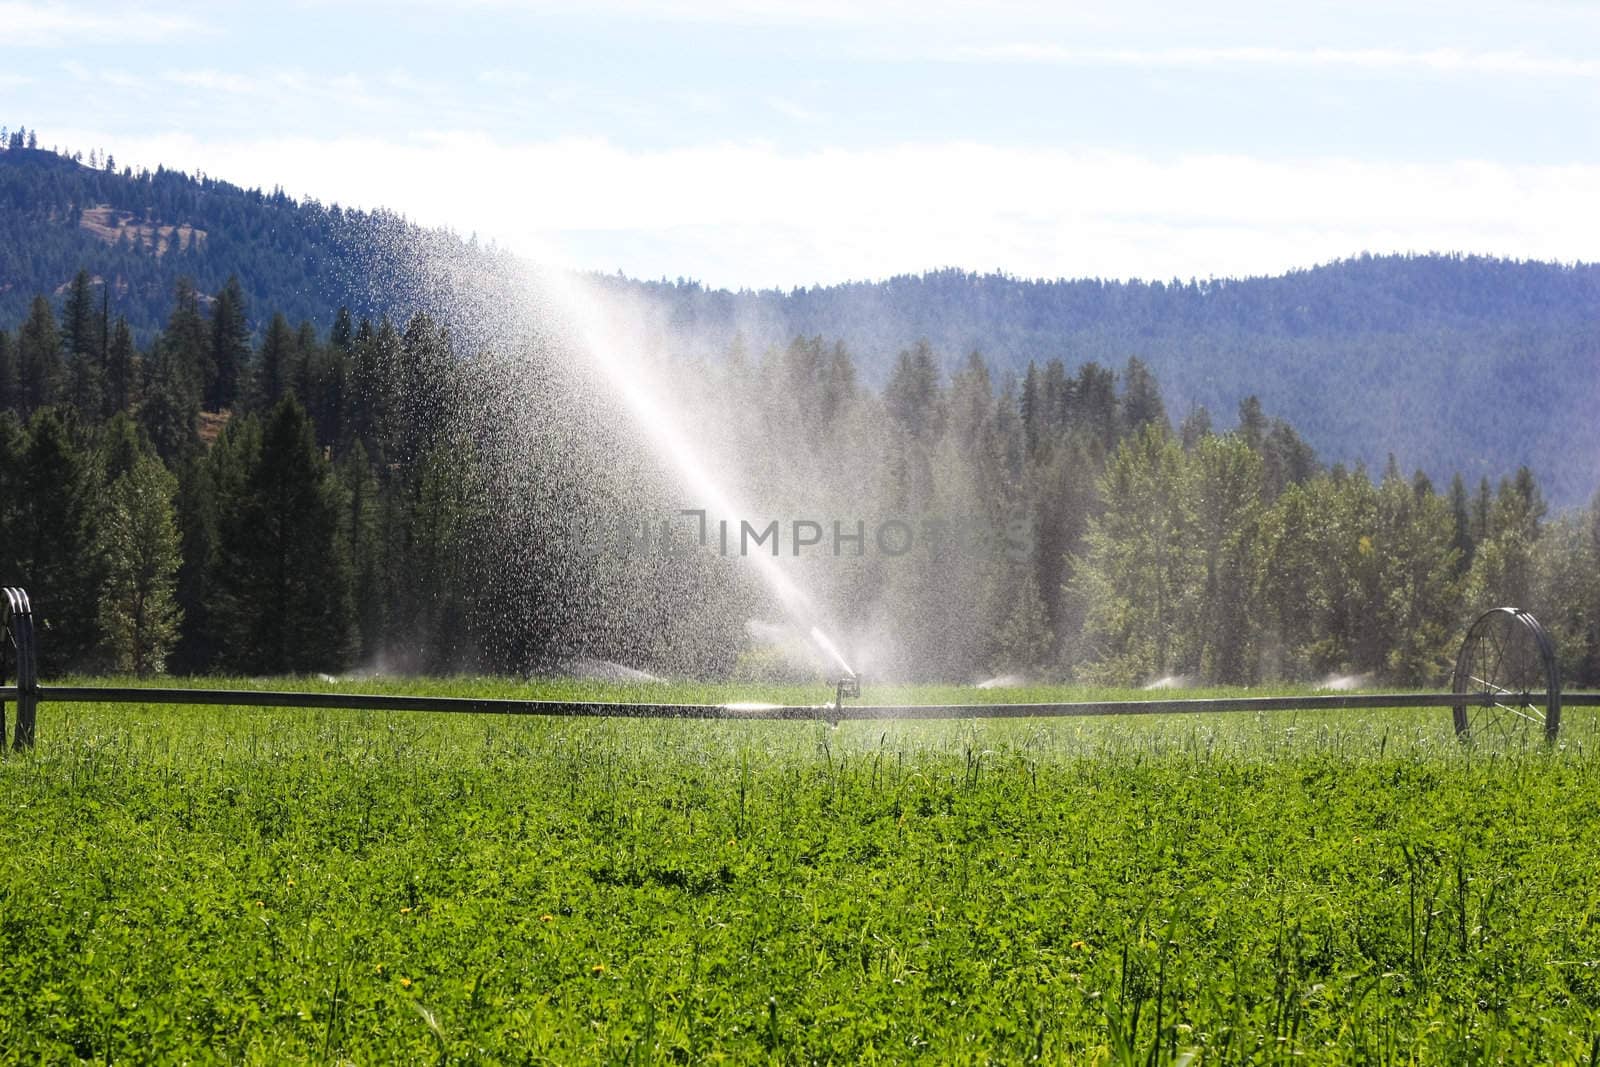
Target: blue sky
x=757 y=144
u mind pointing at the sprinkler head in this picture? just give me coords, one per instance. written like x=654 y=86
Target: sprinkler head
x=848 y=686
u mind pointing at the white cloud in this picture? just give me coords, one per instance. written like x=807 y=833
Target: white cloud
x=793 y=111
x=506 y=79
x=899 y=23
x=114 y=77
x=34 y=25
x=702 y=103
x=1433 y=61
x=213 y=81
x=761 y=12
x=749 y=214
x=285 y=88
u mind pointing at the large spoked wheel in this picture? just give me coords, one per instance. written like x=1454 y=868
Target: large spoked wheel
x=1507 y=665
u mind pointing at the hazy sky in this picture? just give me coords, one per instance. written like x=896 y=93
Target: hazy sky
x=789 y=143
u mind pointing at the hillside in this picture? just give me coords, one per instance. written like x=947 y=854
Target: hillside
x=143 y=231
x=1448 y=362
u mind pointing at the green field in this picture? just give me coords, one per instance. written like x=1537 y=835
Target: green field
x=267 y=886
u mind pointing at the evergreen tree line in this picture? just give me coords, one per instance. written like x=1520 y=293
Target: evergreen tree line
x=179 y=506
x=213 y=502
x=1157 y=550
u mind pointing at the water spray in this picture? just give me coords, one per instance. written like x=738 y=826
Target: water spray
x=849 y=683
x=610 y=353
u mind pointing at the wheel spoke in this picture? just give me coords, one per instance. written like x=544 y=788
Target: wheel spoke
x=1521 y=713
x=1500 y=655
x=1490 y=689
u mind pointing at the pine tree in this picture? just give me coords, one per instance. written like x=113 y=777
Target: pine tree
x=343 y=335
x=446 y=515
x=1252 y=423
x=211 y=485
x=230 y=346
x=79 y=328
x=839 y=383
x=1141 y=398
x=1091 y=408
x=912 y=395
x=1031 y=411
x=1286 y=459
x=364 y=535
x=324 y=390
x=1064 y=402
x=138 y=612
x=39 y=365
x=275 y=366
x=57 y=537
x=371 y=383
x=120 y=443
x=171 y=409
x=86 y=383
x=187 y=340
x=122 y=371
x=303 y=376
x=426 y=390
x=283 y=575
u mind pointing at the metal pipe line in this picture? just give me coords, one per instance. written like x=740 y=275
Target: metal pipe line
x=785 y=712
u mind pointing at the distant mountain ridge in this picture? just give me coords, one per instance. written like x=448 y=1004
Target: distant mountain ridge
x=1448 y=362
x=142 y=231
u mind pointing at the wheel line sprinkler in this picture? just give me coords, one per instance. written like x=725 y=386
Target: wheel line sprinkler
x=848 y=686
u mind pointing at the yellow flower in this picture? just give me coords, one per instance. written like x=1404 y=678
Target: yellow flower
x=406 y=982
x=405 y=911
x=547 y=918
x=1079 y=944
x=598 y=968
x=378 y=969
x=260 y=904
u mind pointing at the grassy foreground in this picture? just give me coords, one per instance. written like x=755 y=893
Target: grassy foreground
x=266 y=886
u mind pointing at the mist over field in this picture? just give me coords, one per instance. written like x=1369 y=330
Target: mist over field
x=726 y=532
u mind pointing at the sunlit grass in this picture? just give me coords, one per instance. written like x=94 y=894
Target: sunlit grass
x=263 y=885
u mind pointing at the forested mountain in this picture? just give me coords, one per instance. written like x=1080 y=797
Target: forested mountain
x=142 y=231
x=1450 y=363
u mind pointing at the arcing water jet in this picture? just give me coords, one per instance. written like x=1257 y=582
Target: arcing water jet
x=606 y=349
